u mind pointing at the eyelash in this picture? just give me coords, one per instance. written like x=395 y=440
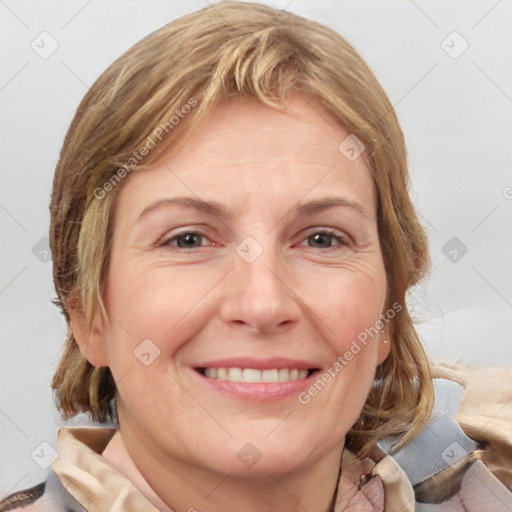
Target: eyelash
x=341 y=239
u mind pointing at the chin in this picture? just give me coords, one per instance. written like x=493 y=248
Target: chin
x=258 y=456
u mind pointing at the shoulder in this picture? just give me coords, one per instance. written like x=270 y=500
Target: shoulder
x=47 y=496
x=463 y=456
x=485 y=413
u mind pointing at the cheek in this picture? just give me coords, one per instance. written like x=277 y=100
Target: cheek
x=349 y=305
x=145 y=313
x=354 y=311
x=154 y=311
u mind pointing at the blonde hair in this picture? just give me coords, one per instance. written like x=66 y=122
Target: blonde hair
x=230 y=49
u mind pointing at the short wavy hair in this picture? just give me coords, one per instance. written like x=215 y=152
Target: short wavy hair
x=229 y=49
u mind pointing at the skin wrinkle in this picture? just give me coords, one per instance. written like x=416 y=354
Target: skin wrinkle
x=292 y=301
x=217 y=209
x=157 y=238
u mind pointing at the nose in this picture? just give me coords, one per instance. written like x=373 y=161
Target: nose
x=259 y=295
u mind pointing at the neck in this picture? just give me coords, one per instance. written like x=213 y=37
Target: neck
x=189 y=489
x=115 y=452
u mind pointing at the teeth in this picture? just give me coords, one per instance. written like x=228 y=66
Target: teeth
x=251 y=375
x=234 y=374
x=211 y=373
x=270 y=376
x=283 y=375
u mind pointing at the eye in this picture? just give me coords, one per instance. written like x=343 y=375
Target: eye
x=320 y=239
x=325 y=239
x=185 y=240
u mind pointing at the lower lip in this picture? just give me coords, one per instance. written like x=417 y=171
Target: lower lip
x=258 y=390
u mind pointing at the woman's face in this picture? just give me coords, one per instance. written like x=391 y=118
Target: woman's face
x=241 y=268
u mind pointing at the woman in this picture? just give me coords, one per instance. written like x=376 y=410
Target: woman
x=232 y=242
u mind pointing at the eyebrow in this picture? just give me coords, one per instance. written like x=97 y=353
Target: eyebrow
x=217 y=209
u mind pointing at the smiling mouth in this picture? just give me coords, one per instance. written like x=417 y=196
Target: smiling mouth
x=254 y=375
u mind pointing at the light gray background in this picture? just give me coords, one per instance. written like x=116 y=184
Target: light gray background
x=456 y=114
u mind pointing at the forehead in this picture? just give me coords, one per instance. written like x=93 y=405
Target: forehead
x=262 y=132
x=256 y=154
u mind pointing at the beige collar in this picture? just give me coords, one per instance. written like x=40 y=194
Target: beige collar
x=97 y=485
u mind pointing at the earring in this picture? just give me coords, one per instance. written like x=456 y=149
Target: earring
x=385 y=341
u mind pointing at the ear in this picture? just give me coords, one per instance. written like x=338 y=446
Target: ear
x=384 y=346
x=90 y=341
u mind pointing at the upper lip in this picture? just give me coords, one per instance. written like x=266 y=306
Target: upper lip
x=257 y=364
